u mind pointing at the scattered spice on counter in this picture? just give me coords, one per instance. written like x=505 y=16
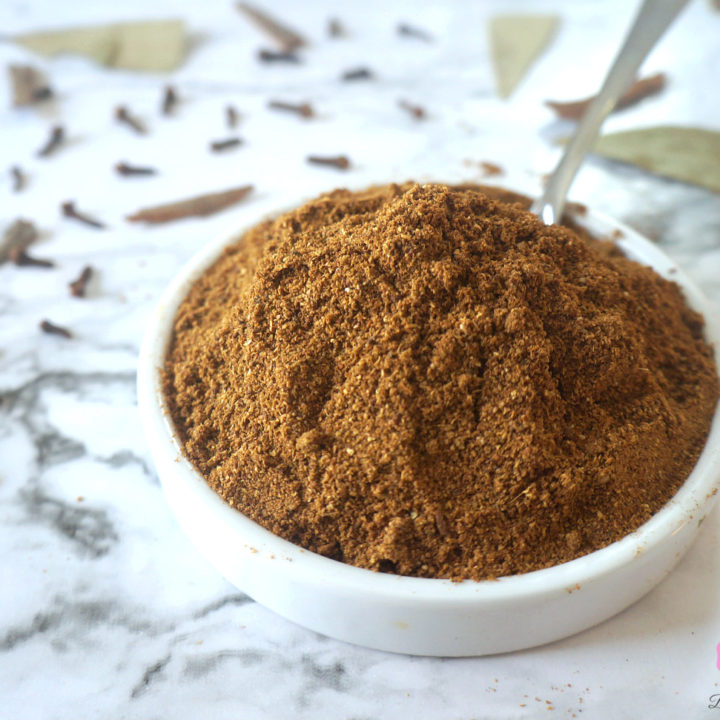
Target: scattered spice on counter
x=123 y=168
x=638 y=91
x=19 y=178
x=170 y=101
x=124 y=116
x=490 y=169
x=221 y=145
x=21 y=258
x=196 y=206
x=410 y=31
x=29 y=85
x=361 y=73
x=335 y=29
x=416 y=111
x=69 y=210
x=429 y=381
x=78 y=287
x=341 y=162
x=272 y=56
x=17 y=239
x=302 y=109
x=54 y=142
x=52 y=329
x=285 y=37
x=232 y=116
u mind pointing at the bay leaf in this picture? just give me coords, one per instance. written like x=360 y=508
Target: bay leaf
x=516 y=41
x=688 y=154
x=149 y=45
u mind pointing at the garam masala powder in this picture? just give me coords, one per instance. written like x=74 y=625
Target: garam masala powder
x=426 y=381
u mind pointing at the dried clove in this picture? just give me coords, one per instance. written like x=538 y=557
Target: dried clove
x=232 y=116
x=122 y=114
x=78 y=287
x=410 y=31
x=335 y=28
x=341 y=162
x=304 y=109
x=19 y=178
x=285 y=38
x=17 y=239
x=197 y=206
x=638 y=91
x=29 y=85
x=170 y=100
x=70 y=211
x=222 y=145
x=490 y=169
x=52 y=329
x=56 y=139
x=415 y=110
x=22 y=259
x=271 y=56
x=122 y=168
x=361 y=73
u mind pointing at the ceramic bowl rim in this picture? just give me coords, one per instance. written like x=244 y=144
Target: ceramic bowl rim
x=689 y=504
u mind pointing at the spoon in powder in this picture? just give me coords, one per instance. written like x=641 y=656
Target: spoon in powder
x=652 y=20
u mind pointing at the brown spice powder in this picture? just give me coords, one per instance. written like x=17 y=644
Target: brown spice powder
x=426 y=381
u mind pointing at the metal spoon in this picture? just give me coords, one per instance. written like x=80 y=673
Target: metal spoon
x=651 y=22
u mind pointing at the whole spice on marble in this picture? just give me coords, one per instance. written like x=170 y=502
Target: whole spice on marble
x=302 y=109
x=273 y=56
x=428 y=381
x=78 y=287
x=69 y=210
x=17 y=239
x=56 y=139
x=123 y=168
x=51 y=328
x=19 y=178
x=341 y=162
x=200 y=206
x=170 y=101
x=283 y=35
x=638 y=91
x=410 y=31
x=335 y=28
x=361 y=73
x=227 y=144
x=123 y=115
x=22 y=259
x=29 y=85
x=232 y=116
x=416 y=111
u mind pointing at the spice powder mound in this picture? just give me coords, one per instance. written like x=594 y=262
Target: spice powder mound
x=427 y=381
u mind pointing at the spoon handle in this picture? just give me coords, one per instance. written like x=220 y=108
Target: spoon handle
x=651 y=22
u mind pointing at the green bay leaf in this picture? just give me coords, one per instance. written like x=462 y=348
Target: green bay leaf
x=151 y=45
x=688 y=154
x=516 y=41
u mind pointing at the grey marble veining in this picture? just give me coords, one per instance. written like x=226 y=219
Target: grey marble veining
x=106 y=610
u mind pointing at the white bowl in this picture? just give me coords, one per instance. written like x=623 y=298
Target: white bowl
x=416 y=615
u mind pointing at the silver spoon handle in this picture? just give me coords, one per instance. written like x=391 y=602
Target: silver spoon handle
x=651 y=22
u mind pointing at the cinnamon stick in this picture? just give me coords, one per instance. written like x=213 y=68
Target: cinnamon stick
x=196 y=206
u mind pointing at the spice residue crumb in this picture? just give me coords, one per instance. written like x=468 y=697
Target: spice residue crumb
x=490 y=396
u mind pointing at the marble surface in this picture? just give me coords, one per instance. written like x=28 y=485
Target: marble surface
x=106 y=610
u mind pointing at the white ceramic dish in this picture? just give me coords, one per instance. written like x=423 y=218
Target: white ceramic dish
x=414 y=615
